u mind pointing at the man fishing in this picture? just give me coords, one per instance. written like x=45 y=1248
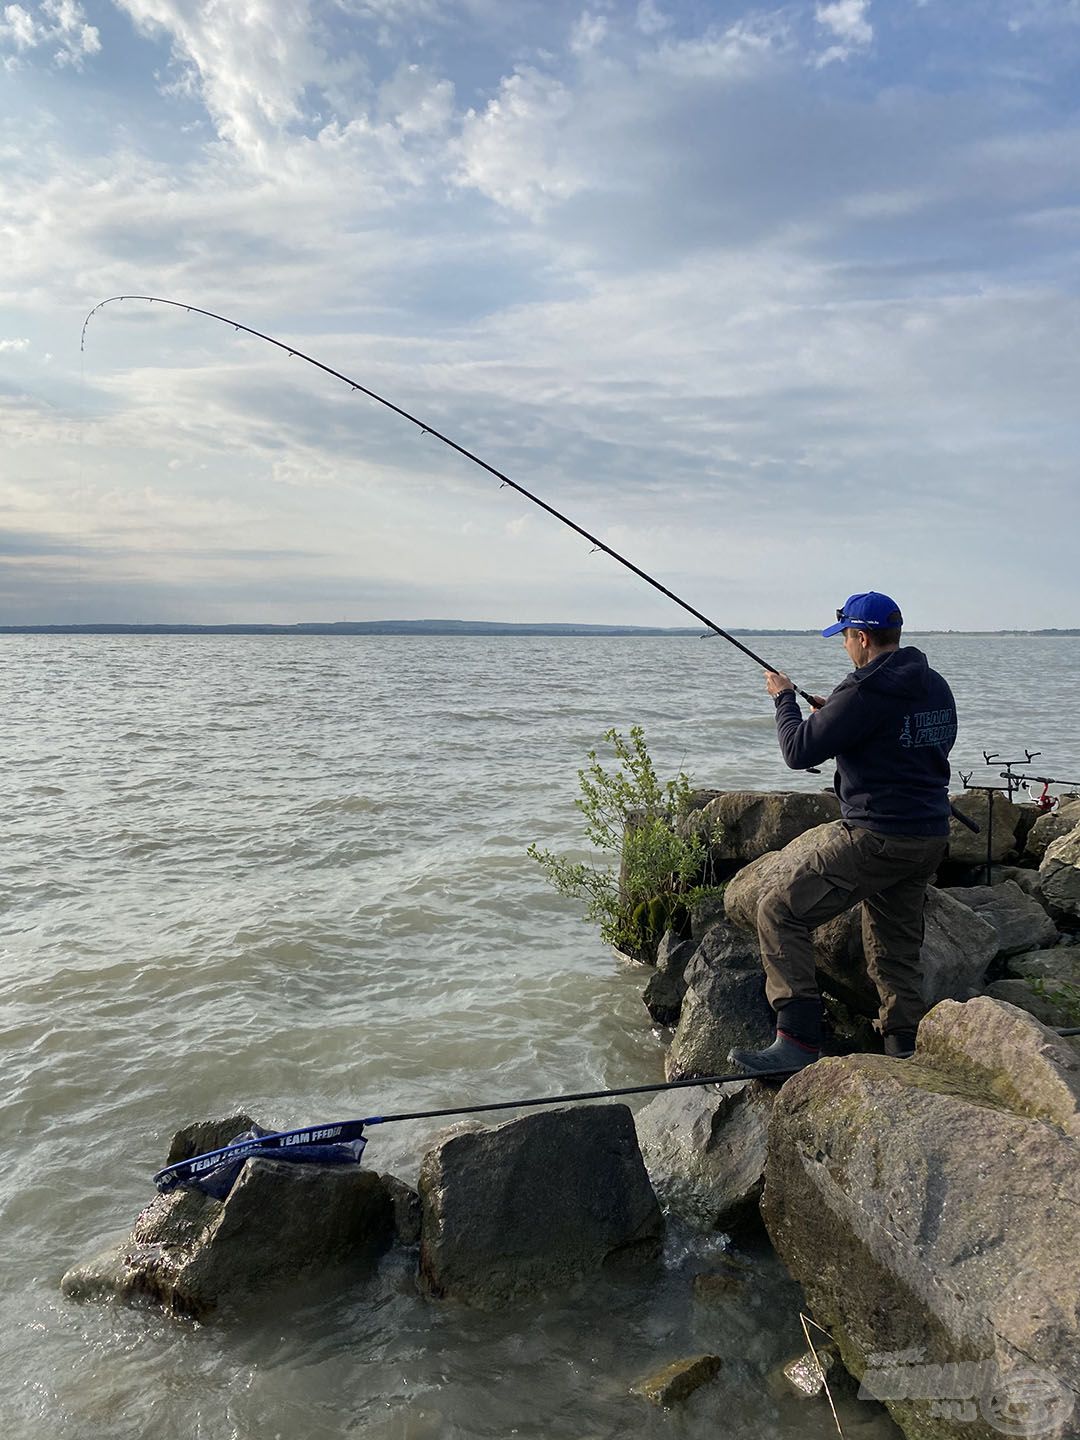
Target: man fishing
x=890 y=726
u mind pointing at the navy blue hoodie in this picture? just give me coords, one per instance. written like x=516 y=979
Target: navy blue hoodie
x=890 y=727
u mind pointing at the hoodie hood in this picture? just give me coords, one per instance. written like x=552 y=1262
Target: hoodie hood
x=903 y=674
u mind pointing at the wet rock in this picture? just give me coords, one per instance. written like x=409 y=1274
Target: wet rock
x=1021 y=922
x=664 y=993
x=677 y=1382
x=1052 y=826
x=718 y=1285
x=966 y=848
x=196 y=1256
x=535 y=1204
x=1060 y=875
x=744 y=824
x=203 y=1135
x=1054 y=1002
x=722 y=1008
x=806 y=1374
x=705 y=1150
x=406 y=1210
x=1060 y=963
x=925 y=1216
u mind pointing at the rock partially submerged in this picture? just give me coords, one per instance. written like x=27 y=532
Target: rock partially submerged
x=196 y=1256
x=927 y=1206
x=535 y=1204
x=677 y=1382
x=705 y=1150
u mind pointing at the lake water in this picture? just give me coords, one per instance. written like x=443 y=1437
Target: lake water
x=288 y=874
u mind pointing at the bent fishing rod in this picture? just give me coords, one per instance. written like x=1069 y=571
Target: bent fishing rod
x=426 y=429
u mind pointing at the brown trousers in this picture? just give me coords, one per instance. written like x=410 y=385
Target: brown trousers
x=889 y=875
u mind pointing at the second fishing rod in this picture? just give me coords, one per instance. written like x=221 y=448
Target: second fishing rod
x=427 y=429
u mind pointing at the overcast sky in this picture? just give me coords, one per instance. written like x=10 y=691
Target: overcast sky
x=781 y=302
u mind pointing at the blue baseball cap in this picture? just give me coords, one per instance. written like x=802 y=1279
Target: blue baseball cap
x=867 y=612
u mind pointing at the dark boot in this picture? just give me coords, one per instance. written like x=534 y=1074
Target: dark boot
x=900 y=1044
x=784 y=1056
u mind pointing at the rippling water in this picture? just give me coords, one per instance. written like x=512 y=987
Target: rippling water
x=288 y=874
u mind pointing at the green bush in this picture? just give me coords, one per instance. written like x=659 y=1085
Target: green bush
x=630 y=814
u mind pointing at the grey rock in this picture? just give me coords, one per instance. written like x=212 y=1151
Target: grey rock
x=966 y=848
x=927 y=1218
x=664 y=993
x=1054 y=1002
x=535 y=1204
x=1060 y=963
x=723 y=947
x=203 y=1135
x=196 y=1256
x=705 y=911
x=1052 y=826
x=406 y=1209
x=1060 y=875
x=663 y=997
x=722 y=1008
x=1021 y=922
x=1022 y=875
x=672 y=953
x=744 y=824
x=705 y=1150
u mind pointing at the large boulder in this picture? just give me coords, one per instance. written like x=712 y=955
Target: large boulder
x=1051 y=827
x=705 y=1150
x=196 y=1256
x=1060 y=872
x=1054 y=1002
x=743 y=824
x=1020 y=921
x=534 y=1204
x=1003 y=821
x=926 y=1206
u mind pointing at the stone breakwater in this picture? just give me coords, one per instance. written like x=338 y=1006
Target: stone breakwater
x=927 y=1207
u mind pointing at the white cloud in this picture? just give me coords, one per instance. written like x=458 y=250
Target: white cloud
x=59 y=25
x=846 y=19
x=588 y=32
x=253 y=61
x=519 y=150
x=16 y=346
x=650 y=19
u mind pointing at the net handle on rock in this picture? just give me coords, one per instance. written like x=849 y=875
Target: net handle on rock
x=342 y=1130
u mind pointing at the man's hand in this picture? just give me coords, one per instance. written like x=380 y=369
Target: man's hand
x=817 y=701
x=776 y=682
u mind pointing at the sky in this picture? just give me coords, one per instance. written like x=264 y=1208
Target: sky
x=779 y=301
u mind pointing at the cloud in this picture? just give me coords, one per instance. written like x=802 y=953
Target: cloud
x=846 y=19
x=14 y=346
x=57 y=25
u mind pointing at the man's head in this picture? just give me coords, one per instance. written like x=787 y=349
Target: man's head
x=870 y=624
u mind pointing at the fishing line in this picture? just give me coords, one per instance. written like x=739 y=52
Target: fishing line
x=427 y=429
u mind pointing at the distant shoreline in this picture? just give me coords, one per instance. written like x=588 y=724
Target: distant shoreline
x=445 y=627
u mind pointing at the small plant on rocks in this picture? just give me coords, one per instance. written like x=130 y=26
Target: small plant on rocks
x=630 y=814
